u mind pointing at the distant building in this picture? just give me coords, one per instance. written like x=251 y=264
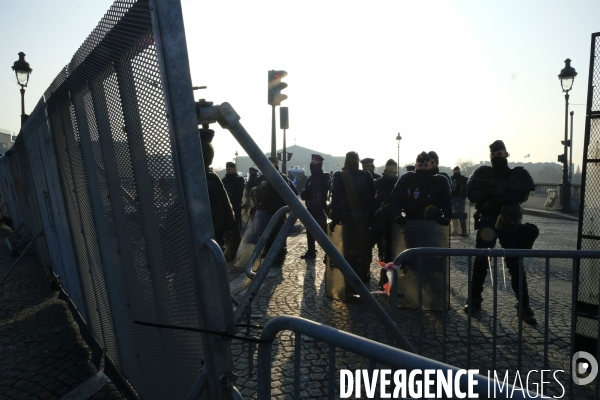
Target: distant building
x=300 y=158
x=5 y=140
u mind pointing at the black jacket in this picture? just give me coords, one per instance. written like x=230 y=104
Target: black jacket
x=316 y=192
x=384 y=188
x=499 y=187
x=413 y=193
x=267 y=197
x=220 y=208
x=458 y=183
x=252 y=182
x=352 y=196
x=234 y=185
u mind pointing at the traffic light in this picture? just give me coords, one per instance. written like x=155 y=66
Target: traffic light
x=284 y=120
x=568 y=142
x=276 y=86
x=561 y=158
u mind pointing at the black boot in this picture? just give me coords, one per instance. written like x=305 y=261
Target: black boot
x=528 y=314
x=474 y=305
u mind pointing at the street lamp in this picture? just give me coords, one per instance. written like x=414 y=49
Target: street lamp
x=567 y=76
x=398 y=139
x=22 y=71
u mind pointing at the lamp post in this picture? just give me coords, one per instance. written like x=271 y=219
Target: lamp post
x=22 y=71
x=235 y=159
x=398 y=139
x=567 y=76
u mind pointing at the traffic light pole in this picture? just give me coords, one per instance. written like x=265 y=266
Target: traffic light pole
x=284 y=156
x=273 y=138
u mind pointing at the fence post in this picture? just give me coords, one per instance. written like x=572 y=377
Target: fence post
x=210 y=283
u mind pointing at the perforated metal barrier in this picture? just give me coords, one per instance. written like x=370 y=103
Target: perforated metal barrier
x=97 y=167
x=588 y=289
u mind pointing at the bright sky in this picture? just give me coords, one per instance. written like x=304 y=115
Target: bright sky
x=449 y=75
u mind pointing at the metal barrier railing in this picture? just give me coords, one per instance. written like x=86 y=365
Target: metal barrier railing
x=244 y=305
x=375 y=352
x=262 y=242
x=226 y=116
x=576 y=255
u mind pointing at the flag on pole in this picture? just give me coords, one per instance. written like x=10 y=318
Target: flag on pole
x=527 y=156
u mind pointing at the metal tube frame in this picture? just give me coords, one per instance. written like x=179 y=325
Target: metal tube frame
x=263 y=240
x=230 y=120
x=265 y=266
x=374 y=351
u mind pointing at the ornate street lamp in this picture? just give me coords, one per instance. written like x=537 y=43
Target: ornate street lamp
x=567 y=76
x=22 y=71
x=398 y=139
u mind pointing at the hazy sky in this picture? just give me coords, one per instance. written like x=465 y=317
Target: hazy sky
x=449 y=75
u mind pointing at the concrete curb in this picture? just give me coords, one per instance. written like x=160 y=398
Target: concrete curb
x=549 y=214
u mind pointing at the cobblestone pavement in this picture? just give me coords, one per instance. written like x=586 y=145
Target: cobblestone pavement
x=42 y=355
x=299 y=289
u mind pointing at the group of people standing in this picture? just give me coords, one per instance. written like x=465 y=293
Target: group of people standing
x=372 y=204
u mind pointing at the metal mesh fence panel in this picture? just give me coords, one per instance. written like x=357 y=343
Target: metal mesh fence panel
x=588 y=281
x=109 y=126
x=10 y=196
x=62 y=122
x=51 y=204
x=35 y=220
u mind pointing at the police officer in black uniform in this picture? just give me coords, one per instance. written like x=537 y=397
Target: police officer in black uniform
x=382 y=226
x=252 y=179
x=420 y=195
x=268 y=199
x=458 y=183
x=315 y=197
x=367 y=165
x=352 y=205
x=220 y=207
x=435 y=164
x=234 y=185
x=498 y=192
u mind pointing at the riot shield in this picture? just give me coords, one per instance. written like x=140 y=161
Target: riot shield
x=419 y=233
x=352 y=243
x=254 y=230
x=461 y=216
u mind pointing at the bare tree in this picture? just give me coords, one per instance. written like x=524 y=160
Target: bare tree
x=466 y=166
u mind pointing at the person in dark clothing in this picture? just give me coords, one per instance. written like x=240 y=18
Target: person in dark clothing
x=352 y=205
x=410 y=168
x=435 y=164
x=269 y=200
x=252 y=179
x=498 y=191
x=382 y=225
x=367 y=165
x=458 y=183
x=302 y=182
x=315 y=196
x=420 y=195
x=234 y=185
x=220 y=207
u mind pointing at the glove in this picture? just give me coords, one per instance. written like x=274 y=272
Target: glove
x=488 y=208
x=400 y=219
x=332 y=226
x=443 y=221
